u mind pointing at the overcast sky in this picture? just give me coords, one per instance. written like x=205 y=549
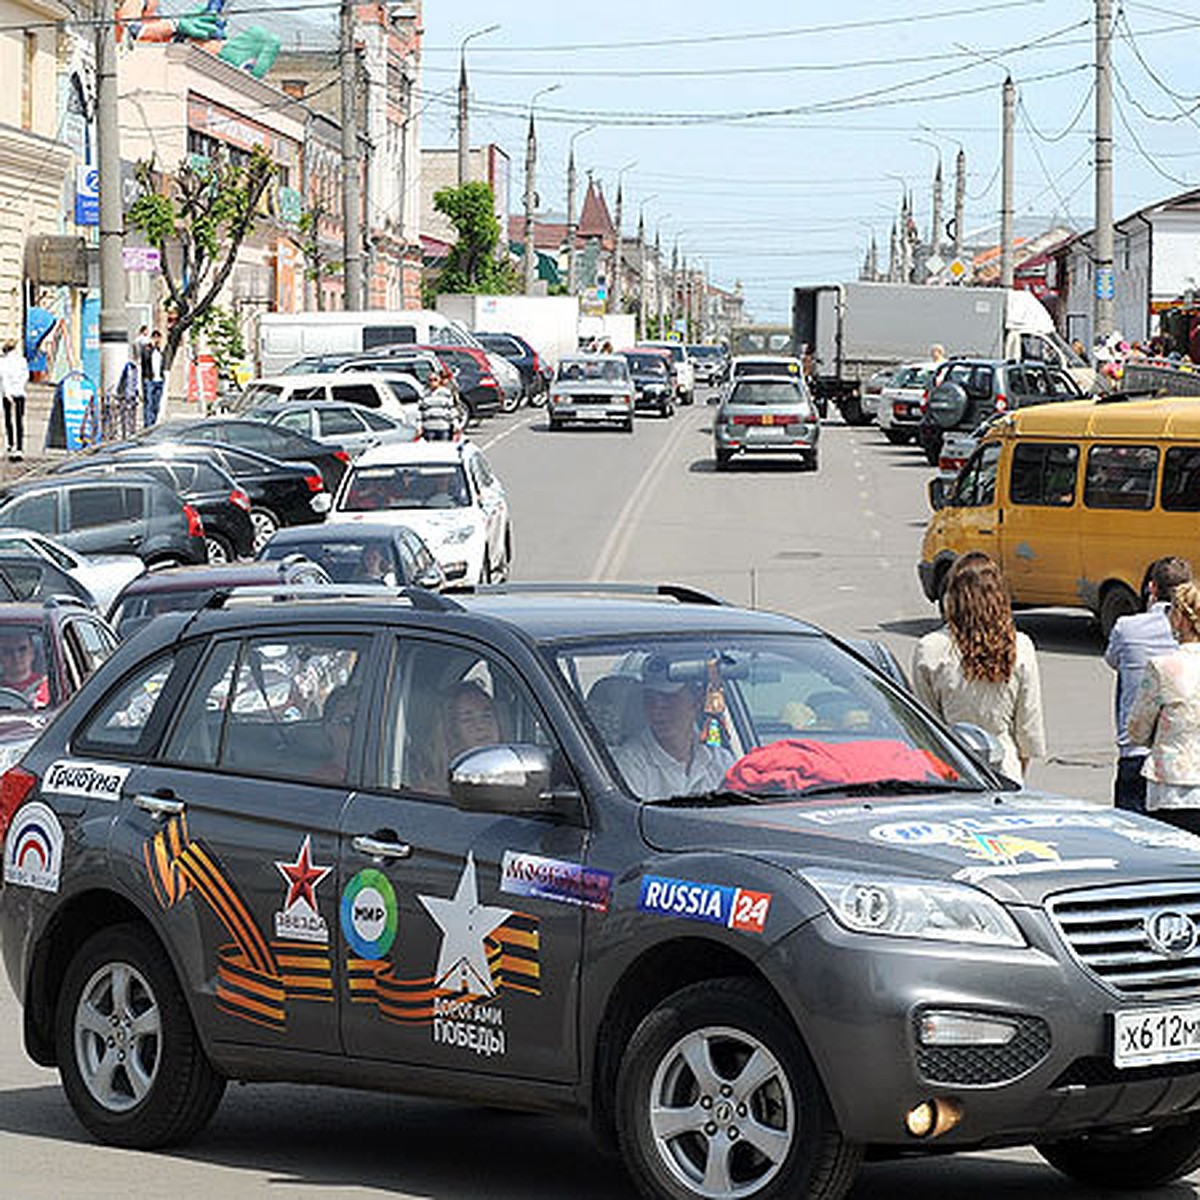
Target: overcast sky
x=871 y=90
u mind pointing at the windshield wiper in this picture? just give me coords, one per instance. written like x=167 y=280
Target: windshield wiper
x=886 y=787
x=714 y=799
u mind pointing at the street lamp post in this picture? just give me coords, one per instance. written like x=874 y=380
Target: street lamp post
x=618 y=292
x=530 y=193
x=464 y=103
x=572 y=226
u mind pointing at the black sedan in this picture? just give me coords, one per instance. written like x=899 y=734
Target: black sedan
x=287 y=445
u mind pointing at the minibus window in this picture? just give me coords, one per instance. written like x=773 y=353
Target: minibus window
x=977 y=482
x=1121 y=477
x=1181 y=479
x=1043 y=473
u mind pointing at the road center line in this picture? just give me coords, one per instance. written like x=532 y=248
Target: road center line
x=616 y=545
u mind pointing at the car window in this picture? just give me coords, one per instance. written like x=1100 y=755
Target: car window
x=404 y=392
x=355 y=393
x=89 y=507
x=378 y=423
x=87 y=645
x=766 y=392
x=56 y=554
x=38 y=512
x=417 y=485
x=261 y=393
x=444 y=700
x=1121 y=477
x=1181 y=479
x=334 y=421
x=297 y=421
x=124 y=714
x=420 y=554
x=976 y=483
x=1043 y=473
x=483 y=471
x=265 y=706
x=1062 y=384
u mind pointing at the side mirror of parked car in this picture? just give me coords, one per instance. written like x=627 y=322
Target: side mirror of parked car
x=937 y=493
x=981 y=743
x=510 y=780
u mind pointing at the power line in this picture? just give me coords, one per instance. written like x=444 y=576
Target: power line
x=1147 y=157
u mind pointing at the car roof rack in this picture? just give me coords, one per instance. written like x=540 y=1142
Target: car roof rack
x=673 y=591
x=419 y=598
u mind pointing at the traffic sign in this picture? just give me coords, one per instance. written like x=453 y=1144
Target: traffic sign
x=934 y=264
x=1104 y=283
x=958 y=268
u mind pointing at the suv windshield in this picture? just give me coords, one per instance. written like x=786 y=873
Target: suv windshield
x=413 y=485
x=770 y=717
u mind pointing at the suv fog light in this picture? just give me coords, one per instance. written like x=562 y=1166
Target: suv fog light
x=964 y=1029
x=932 y=1118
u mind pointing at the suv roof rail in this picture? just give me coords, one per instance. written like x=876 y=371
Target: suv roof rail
x=673 y=591
x=419 y=598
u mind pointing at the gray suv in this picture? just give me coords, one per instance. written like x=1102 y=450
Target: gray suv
x=699 y=873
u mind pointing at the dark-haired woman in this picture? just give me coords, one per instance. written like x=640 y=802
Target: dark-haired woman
x=978 y=668
x=1166 y=717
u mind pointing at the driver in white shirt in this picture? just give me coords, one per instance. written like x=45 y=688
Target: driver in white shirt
x=666 y=757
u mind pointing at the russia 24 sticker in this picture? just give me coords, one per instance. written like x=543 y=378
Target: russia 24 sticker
x=33 y=848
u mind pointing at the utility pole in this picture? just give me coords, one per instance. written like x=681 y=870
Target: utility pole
x=641 y=237
x=960 y=200
x=1102 y=301
x=1006 y=186
x=935 y=233
x=530 y=169
x=658 y=282
x=675 y=296
x=352 y=277
x=114 y=333
x=618 y=288
x=464 y=106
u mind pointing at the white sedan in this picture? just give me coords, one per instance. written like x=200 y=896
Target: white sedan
x=104 y=575
x=446 y=492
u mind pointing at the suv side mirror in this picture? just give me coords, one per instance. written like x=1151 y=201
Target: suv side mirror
x=937 y=493
x=511 y=780
x=981 y=743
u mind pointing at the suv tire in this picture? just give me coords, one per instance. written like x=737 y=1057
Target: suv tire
x=121 y=986
x=778 y=1139
x=1136 y=1161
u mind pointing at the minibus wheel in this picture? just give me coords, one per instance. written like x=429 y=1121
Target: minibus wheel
x=1116 y=601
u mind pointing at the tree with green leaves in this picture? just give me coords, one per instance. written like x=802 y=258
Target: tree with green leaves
x=472 y=265
x=198 y=220
x=307 y=239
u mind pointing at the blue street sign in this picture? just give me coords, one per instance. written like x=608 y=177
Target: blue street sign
x=87 y=195
x=1104 y=283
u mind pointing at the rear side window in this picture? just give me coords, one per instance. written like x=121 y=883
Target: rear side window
x=38 y=512
x=1181 y=479
x=1121 y=477
x=334 y=421
x=374 y=336
x=118 y=724
x=355 y=393
x=1043 y=473
x=297 y=422
x=93 y=506
x=314 y=392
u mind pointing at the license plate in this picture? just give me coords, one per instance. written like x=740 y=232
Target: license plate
x=1146 y=1036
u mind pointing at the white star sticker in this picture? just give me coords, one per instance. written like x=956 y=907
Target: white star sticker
x=462 y=963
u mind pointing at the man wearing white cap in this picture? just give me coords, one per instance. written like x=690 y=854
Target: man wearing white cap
x=667 y=756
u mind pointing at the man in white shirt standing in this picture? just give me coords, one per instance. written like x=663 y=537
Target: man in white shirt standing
x=14 y=381
x=667 y=756
x=153 y=377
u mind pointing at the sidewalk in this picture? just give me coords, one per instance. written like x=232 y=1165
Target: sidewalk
x=38 y=402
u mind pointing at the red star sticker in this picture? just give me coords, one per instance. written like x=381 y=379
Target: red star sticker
x=302 y=877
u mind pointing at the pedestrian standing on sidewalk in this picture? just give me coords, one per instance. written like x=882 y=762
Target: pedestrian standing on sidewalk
x=14 y=381
x=153 y=377
x=1134 y=641
x=979 y=668
x=1166 y=718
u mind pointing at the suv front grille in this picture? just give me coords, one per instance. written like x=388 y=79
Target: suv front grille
x=1106 y=931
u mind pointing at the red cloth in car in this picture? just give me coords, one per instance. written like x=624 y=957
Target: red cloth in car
x=792 y=764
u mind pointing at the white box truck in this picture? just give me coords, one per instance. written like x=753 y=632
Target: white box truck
x=548 y=323
x=854 y=329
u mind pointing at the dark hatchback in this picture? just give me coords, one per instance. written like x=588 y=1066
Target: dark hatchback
x=286 y=445
x=108 y=516
x=223 y=505
x=425 y=845
x=356 y=552
x=650 y=371
x=535 y=374
x=280 y=493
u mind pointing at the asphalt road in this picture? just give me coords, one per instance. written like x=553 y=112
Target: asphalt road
x=838 y=548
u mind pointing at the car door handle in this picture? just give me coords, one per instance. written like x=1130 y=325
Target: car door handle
x=987 y=531
x=165 y=805
x=376 y=847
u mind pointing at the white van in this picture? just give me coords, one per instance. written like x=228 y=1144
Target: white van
x=285 y=337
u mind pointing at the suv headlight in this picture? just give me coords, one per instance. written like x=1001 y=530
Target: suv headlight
x=914 y=908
